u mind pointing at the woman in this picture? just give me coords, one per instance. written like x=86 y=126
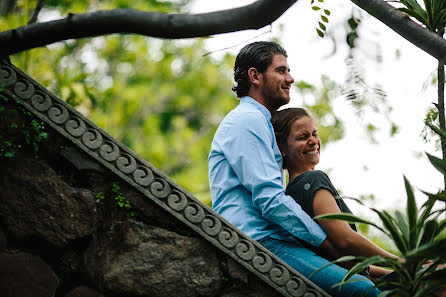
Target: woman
x=300 y=145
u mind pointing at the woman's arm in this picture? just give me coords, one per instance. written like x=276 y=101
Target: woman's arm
x=345 y=239
x=378 y=272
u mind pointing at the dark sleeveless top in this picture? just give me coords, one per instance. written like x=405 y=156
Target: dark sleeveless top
x=303 y=189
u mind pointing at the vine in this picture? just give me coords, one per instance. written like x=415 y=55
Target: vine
x=121 y=200
x=20 y=130
x=321 y=27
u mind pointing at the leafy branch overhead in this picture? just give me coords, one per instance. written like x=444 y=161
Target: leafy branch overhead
x=174 y=26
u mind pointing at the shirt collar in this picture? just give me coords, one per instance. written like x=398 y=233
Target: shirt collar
x=263 y=109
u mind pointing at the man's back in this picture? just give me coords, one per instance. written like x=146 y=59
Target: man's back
x=240 y=141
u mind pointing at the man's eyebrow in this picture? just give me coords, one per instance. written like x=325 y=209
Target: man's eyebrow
x=283 y=68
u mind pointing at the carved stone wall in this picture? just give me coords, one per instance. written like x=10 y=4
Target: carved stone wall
x=153 y=185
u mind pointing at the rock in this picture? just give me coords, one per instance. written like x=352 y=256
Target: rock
x=80 y=160
x=25 y=275
x=35 y=202
x=3 y=240
x=236 y=271
x=83 y=291
x=152 y=261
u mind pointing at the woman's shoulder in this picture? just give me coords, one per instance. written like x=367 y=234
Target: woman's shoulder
x=311 y=175
x=316 y=174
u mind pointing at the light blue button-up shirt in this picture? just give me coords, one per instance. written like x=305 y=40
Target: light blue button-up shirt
x=245 y=178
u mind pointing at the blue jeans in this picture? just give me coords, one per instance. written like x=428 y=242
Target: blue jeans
x=306 y=262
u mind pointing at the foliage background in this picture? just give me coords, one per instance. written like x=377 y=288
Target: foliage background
x=164 y=99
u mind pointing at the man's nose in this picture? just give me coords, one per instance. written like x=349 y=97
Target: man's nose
x=289 y=79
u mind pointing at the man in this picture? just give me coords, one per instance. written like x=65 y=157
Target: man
x=245 y=171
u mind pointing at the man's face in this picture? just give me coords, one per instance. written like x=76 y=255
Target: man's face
x=276 y=83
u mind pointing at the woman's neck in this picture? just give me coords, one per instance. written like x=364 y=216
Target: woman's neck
x=293 y=173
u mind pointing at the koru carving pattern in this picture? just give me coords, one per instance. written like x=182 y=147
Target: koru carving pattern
x=153 y=183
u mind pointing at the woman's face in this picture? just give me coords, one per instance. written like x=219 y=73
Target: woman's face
x=303 y=146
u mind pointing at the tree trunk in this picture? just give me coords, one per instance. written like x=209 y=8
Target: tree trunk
x=440 y=107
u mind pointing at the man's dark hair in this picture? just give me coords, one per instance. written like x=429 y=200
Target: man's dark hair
x=258 y=55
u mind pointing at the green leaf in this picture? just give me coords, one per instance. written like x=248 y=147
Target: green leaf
x=327 y=12
x=353 y=23
x=324 y=18
x=393 y=230
x=411 y=214
x=348 y=217
x=402 y=224
x=428 y=250
x=430 y=231
x=437 y=163
x=442 y=225
x=315 y=8
x=363 y=265
x=322 y=26
x=413 y=13
x=319 y=32
x=339 y=260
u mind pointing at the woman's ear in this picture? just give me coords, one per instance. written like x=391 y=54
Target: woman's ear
x=253 y=75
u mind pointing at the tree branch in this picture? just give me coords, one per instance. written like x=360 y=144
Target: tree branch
x=36 y=12
x=399 y=22
x=172 y=26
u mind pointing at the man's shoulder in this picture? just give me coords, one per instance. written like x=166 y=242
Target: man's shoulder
x=244 y=115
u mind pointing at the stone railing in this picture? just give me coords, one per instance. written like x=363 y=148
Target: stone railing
x=154 y=184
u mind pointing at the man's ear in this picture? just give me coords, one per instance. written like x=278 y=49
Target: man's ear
x=253 y=75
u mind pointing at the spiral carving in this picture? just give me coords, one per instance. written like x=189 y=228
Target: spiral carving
x=75 y=127
x=211 y=225
x=279 y=275
x=312 y=293
x=228 y=238
x=41 y=101
x=109 y=151
x=296 y=287
x=245 y=250
x=24 y=89
x=7 y=76
x=143 y=176
x=58 y=114
x=194 y=213
x=92 y=139
x=177 y=201
x=262 y=262
x=126 y=163
x=160 y=188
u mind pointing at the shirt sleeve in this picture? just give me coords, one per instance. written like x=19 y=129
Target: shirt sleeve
x=250 y=151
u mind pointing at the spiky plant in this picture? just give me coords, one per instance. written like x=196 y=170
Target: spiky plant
x=419 y=234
